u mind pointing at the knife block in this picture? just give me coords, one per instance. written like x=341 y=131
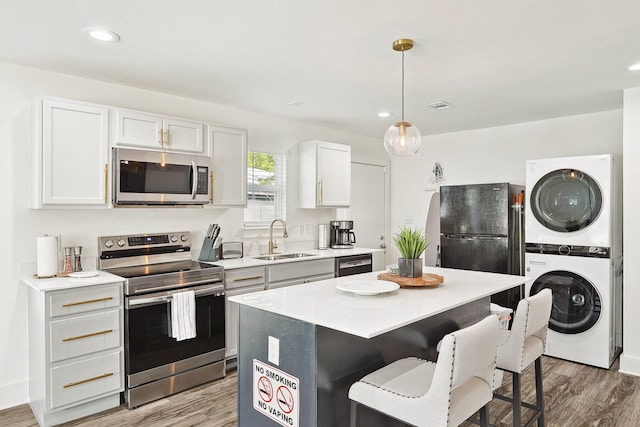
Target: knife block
x=210 y=252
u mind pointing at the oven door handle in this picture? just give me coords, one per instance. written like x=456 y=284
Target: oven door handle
x=190 y=285
x=166 y=297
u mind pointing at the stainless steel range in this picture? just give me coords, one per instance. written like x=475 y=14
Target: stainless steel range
x=155 y=268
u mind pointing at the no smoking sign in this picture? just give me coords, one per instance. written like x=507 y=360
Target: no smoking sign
x=275 y=394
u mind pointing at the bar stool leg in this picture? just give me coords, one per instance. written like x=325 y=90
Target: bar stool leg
x=484 y=416
x=352 y=415
x=517 y=401
x=539 y=392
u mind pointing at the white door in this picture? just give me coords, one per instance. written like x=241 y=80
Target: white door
x=370 y=208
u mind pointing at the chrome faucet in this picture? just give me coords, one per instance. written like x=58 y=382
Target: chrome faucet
x=272 y=243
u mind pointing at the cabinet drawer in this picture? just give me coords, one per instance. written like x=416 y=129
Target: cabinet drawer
x=244 y=277
x=87 y=379
x=72 y=301
x=77 y=336
x=300 y=269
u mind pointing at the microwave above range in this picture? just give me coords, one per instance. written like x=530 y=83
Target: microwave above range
x=158 y=178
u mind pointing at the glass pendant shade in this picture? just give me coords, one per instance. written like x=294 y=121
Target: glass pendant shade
x=402 y=139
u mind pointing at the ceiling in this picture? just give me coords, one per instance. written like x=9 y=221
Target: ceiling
x=330 y=62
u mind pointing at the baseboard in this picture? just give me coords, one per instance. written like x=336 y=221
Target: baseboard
x=14 y=394
x=629 y=364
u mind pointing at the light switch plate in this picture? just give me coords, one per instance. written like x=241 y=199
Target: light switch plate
x=273 y=354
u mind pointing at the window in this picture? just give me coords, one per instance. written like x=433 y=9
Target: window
x=266 y=188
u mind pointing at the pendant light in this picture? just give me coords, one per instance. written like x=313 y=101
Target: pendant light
x=402 y=138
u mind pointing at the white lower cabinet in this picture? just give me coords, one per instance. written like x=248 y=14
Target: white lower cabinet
x=295 y=273
x=76 y=358
x=237 y=282
x=85 y=379
x=78 y=335
x=254 y=279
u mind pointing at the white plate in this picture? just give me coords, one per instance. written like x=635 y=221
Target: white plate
x=368 y=287
x=83 y=274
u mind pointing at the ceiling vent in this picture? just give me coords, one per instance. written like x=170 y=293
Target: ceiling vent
x=439 y=105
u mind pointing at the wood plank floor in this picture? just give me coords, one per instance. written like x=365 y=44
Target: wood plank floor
x=575 y=395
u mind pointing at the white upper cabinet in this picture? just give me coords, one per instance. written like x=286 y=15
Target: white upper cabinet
x=228 y=148
x=71 y=155
x=143 y=130
x=324 y=173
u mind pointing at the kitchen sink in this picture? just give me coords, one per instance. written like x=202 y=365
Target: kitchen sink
x=275 y=257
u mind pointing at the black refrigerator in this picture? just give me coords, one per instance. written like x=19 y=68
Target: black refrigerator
x=482 y=229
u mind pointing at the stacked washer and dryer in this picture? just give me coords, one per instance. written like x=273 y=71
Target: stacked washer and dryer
x=573 y=235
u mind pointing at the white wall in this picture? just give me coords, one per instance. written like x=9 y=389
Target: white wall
x=495 y=155
x=630 y=358
x=20 y=225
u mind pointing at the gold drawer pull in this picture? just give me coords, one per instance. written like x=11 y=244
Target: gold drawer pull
x=99 y=377
x=71 y=304
x=242 y=279
x=106 y=331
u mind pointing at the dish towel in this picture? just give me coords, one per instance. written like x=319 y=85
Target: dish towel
x=183 y=315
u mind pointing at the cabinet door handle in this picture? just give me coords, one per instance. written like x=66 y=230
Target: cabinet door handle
x=106 y=181
x=320 y=188
x=161 y=137
x=71 y=304
x=212 y=187
x=166 y=137
x=106 y=331
x=99 y=377
x=242 y=279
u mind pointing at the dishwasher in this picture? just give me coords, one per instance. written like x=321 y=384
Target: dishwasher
x=353 y=264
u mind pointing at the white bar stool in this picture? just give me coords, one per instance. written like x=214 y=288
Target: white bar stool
x=440 y=394
x=520 y=347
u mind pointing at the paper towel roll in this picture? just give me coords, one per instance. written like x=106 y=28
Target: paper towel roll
x=47 y=256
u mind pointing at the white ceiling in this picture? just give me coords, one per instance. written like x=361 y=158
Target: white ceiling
x=495 y=61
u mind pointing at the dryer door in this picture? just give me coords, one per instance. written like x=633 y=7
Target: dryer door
x=566 y=200
x=576 y=302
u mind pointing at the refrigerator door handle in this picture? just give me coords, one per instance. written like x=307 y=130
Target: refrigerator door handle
x=457 y=236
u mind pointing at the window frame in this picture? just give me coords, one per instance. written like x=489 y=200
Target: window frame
x=279 y=189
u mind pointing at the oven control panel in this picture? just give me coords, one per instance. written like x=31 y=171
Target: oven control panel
x=158 y=240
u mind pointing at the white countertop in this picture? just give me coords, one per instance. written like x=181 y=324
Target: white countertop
x=57 y=283
x=249 y=261
x=321 y=303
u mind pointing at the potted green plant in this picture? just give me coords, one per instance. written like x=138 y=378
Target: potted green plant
x=411 y=243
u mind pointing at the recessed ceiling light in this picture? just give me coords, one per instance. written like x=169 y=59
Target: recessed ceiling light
x=384 y=114
x=101 y=34
x=634 y=67
x=295 y=103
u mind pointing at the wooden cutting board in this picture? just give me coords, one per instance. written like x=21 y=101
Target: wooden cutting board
x=427 y=280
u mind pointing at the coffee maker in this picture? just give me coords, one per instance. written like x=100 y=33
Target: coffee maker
x=341 y=235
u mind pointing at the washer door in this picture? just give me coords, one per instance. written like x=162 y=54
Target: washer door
x=576 y=303
x=566 y=200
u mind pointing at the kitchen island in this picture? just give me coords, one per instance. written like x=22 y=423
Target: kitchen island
x=301 y=347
